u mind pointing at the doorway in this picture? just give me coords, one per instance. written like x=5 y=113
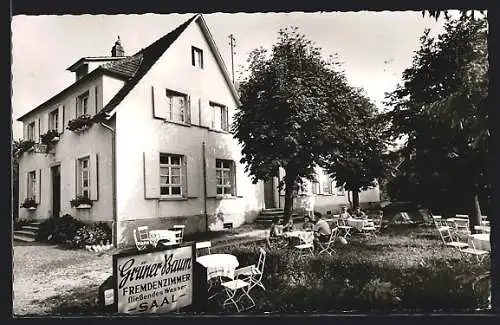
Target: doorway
x=56 y=190
x=269 y=190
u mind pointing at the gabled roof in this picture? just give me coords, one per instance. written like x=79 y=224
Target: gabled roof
x=142 y=62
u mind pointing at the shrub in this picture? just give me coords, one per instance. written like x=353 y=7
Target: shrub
x=24 y=145
x=80 y=200
x=19 y=223
x=98 y=233
x=59 y=230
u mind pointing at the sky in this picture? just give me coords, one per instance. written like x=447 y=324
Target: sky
x=375 y=47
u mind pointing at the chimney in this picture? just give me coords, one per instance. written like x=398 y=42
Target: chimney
x=117 y=49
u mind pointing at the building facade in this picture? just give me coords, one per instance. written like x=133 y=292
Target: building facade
x=145 y=138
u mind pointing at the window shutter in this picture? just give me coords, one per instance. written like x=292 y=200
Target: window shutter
x=38 y=186
x=24 y=194
x=211 y=175
x=227 y=119
x=188 y=110
x=94 y=177
x=36 y=136
x=192 y=57
x=74 y=168
x=25 y=131
x=96 y=99
x=156 y=99
x=235 y=179
x=193 y=184
x=47 y=122
x=151 y=175
x=76 y=107
x=60 y=117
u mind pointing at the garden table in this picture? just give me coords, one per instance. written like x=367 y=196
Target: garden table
x=304 y=236
x=219 y=265
x=483 y=229
x=156 y=235
x=481 y=241
x=359 y=223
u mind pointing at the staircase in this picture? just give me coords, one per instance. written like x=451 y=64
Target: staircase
x=27 y=233
x=266 y=216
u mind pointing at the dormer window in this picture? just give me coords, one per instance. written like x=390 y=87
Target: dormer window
x=83 y=104
x=197 y=57
x=31 y=131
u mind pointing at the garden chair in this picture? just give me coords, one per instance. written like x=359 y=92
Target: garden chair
x=141 y=237
x=344 y=228
x=449 y=240
x=235 y=291
x=307 y=247
x=462 y=224
x=253 y=274
x=369 y=231
x=179 y=235
x=204 y=245
x=377 y=223
x=478 y=253
x=327 y=247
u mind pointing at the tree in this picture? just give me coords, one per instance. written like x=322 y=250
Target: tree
x=361 y=161
x=442 y=107
x=295 y=108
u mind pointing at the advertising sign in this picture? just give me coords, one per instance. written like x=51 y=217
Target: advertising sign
x=156 y=281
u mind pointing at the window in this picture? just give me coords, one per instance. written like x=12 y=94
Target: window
x=84 y=177
x=315 y=188
x=54 y=120
x=176 y=106
x=341 y=191
x=171 y=175
x=220 y=117
x=83 y=104
x=326 y=183
x=224 y=173
x=197 y=57
x=31 y=131
x=32 y=185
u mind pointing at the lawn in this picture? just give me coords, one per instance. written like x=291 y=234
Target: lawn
x=405 y=268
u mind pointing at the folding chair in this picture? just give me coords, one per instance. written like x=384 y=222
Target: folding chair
x=307 y=246
x=327 y=247
x=232 y=289
x=204 y=245
x=253 y=274
x=377 y=223
x=369 y=230
x=344 y=228
x=179 y=236
x=141 y=238
x=448 y=240
x=478 y=253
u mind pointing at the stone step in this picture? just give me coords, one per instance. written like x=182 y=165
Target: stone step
x=267 y=219
x=35 y=223
x=271 y=213
x=23 y=238
x=273 y=209
x=29 y=233
x=34 y=228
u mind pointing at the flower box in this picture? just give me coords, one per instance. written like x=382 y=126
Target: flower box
x=80 y=124
x=29 y=204
x=26 y=145
x=55 y=139
x=83 y=206
x=81 y=202
x=50 y=137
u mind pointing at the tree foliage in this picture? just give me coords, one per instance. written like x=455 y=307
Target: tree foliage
x=442 y=108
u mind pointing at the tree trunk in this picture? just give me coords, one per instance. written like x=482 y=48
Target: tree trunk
x=475 y=217
x=290 y=179
x=355 y=199
x=349 y=199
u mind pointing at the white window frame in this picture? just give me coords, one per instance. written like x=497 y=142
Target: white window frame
x=169 y=106
x=222 y=112
x=222 y=188
x=83 y=104
x=197 y=57
x=82 y=171
x=30 y=133
x=169 y=166
x=54 y=120
x=32 y=193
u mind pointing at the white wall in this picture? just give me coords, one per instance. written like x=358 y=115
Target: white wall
x=138 y=131
x=71 y=146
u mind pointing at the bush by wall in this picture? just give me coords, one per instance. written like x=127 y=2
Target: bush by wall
x=94 y=234
x=59 y=230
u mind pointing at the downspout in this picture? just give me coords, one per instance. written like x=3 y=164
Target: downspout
x=205 y=187
x=113 y=164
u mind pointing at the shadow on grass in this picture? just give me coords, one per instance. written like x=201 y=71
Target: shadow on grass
x=81 y=301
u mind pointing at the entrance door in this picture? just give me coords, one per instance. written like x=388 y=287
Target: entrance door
x=56 y=190
x=269 y=188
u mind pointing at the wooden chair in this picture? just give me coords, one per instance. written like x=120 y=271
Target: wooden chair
x=327 y=247
x=478 y=253
x=204 y=245
x=344 y=228
x=448 y=239
x=307 y=246
x=179 y=236
x=141 y=238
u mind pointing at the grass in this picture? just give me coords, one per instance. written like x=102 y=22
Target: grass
x=404 y=269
